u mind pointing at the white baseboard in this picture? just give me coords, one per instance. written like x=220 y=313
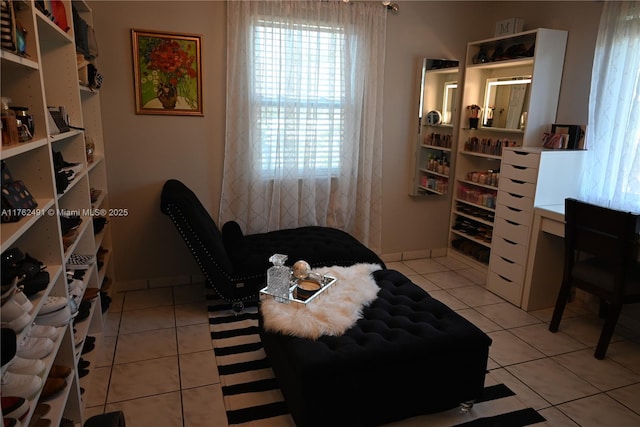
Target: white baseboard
x=418 y=254
x=157 y=282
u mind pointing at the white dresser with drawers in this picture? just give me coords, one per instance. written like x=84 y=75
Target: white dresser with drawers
x=529 y=177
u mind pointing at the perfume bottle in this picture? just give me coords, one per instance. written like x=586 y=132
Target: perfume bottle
x=9 y=124
x=278 y=278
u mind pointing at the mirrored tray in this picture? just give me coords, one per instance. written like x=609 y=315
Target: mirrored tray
x=327 y=282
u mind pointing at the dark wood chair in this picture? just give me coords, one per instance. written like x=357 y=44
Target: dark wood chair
x=601 y=258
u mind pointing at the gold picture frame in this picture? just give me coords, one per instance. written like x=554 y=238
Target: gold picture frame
x=167 y=73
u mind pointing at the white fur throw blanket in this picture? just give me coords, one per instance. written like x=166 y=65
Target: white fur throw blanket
x=330 y=313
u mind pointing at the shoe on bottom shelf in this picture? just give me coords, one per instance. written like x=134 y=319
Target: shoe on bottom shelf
x=44 y=331
x=52 y=386
x=25 y=386
x=40 y=422
x=14 y=406
x=41 y=410
x=53 y=303
x=8 y=345
x=83 y=364
x=88 y=347
x=13 y=314
x=59 y=371
x=35 y=348
x=11 y=422
x=80 y=262
x=19 y=323
x=90 y=294
x=20 y=365
x=56 y=318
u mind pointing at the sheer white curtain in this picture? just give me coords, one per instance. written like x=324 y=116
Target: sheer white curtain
x=612 y=173
x=304 y=116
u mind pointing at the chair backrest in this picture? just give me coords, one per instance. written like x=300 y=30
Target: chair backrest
x=203 y=238
x=608 y=234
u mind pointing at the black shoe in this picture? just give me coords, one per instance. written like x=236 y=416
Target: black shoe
x=82 y=314
x=98 y=224
x=9 y=345
x=87 y=347
x=68 y=223
x=83 y=373
x=35 y=284
x=83 y=364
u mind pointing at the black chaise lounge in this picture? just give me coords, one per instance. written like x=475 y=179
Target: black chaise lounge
x=234 y=264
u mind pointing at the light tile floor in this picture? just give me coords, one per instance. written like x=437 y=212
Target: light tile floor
x=157 y=365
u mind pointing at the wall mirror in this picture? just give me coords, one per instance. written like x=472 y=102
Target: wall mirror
x=505 y=103
x=449 y=101
x=438 y=91
x=437 y=96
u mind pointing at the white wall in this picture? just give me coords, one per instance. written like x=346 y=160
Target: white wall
x=144 y=151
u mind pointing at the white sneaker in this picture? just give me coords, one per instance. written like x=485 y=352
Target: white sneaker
x=11 y=310
x=20 y=385
x=75 y=287
x=35 y=348
x=23 y=366
x=22 y=299
x=56 y=318
x=52 y=304
x=18 y=324
x=44 y=331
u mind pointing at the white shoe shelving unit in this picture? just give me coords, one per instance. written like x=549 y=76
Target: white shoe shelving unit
x=48 y=76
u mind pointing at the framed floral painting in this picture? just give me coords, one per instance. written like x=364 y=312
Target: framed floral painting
x=167 y=73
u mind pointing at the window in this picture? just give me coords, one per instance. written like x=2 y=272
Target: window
x=611 y=176
x=303 y=129
x=298 y=97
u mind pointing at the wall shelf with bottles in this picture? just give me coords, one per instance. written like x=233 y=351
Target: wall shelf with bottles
x=436 y=84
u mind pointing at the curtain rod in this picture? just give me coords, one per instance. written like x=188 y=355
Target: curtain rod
x=393 y=7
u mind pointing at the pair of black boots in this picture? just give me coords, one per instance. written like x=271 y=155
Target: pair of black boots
x=65 y=171
x=23 y=270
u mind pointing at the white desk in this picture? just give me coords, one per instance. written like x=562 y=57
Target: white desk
x=545 y=261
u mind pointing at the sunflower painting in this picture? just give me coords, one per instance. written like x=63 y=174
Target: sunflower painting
x=167 y=73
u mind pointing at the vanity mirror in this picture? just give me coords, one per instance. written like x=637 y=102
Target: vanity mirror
x=437 y=96
x=505 y=102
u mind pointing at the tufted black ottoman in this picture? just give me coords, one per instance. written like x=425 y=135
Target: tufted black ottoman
x=408 y=355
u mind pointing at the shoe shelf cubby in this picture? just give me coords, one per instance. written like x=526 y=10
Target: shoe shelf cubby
x=48 y=76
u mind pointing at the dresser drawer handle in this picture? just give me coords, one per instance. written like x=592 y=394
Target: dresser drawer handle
x=514 y=209
x=509 y=241
x=518 y=196
x=507 y=260
x=511 y=222
x=504 y=278
x=519 y=167
x=515 y=181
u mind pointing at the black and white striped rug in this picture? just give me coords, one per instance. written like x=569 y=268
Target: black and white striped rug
x=252 y=396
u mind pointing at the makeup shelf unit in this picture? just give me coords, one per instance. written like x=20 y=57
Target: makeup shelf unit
x=48 y=76
x=437 y=84
x=516 y=77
